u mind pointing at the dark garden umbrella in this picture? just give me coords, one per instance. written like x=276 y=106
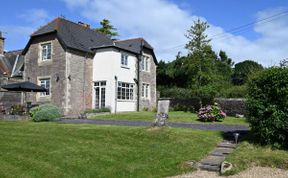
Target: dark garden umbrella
x=24 y=87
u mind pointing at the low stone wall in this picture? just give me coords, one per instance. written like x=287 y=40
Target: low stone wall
x=232 y=106
x=8 y=99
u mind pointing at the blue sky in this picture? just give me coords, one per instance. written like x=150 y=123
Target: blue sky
x=163 y=23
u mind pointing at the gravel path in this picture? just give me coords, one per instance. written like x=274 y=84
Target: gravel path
x=212 y=127
x=254 y=172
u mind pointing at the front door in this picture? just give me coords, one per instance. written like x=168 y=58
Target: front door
x=100 y=93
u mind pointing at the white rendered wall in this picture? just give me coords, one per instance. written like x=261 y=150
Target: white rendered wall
x=107 y=65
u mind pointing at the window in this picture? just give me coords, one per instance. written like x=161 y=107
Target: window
x=124 y=59
x=46 y=84
x=46 y=51
x=145 y=90
x=144 y=64
x=125 y=91
x=100 y=94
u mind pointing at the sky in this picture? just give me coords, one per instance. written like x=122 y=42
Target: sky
x=255 y=30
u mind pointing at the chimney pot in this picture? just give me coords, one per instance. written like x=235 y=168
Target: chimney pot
x=1 y=44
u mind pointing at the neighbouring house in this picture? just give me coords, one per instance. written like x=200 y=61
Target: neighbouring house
x=11 y=70
x=84 y=69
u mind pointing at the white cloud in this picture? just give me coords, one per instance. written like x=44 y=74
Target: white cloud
x=164 y=24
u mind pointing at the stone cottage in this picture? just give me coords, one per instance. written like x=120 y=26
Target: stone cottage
x=85 y=69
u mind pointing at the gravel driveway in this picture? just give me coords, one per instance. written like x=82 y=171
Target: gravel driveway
x=254 y=172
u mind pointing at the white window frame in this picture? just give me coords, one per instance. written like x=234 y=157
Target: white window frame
x=44 y=84
x=145 y=64
x=124 y=59
x=45 y=47
x=125 y=91
x=145 y=90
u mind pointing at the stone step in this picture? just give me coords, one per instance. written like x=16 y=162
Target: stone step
x=209 y=168
x=227 y=145
x=222 y=151
x=212 y=160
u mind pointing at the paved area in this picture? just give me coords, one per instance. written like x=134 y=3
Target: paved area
x=212 y=127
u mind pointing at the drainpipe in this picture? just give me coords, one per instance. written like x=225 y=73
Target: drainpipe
x=116 y=89
x=138 y=76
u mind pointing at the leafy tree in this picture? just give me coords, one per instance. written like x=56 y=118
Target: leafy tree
x=243 y=70
x=107 y=29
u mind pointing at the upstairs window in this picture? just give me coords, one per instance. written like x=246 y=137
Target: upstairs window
x=124 y=59
x=46 y=84
x=46 y=51
x=144 y=64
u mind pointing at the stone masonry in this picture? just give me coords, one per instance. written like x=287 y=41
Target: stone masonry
x=69 y=73
x=149 y=78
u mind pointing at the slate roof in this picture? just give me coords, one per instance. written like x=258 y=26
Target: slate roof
x=9 y=61
x=72 y=35
x=78 y=37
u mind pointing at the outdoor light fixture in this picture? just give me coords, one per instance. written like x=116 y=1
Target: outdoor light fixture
x=69 y=77
x=236 y=135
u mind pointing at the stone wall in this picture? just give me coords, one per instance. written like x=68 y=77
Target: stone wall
x=80 y=85
x=55 y=69
x=232 y=106
x=149 y=78
x=70 y=74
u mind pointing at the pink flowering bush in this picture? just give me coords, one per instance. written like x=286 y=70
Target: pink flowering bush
x=211 y=113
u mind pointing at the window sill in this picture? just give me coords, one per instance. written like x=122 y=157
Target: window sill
x=43 y=63
x=125 y=67
x=44 y=98
x=130 y=101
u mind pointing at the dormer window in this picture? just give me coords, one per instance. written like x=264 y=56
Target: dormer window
x=46 y=51
x=124 y=60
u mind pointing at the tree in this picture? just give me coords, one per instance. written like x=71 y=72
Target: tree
x=243 y=70
x=107 y=29
x=284 y=63
x=200 y=58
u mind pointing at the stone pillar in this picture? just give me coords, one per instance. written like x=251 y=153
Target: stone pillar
x=1 y=44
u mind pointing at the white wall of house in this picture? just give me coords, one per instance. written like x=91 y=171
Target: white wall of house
x=106 y=67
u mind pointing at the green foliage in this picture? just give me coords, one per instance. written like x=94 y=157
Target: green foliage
x=268 y=107
x=107 y=28
x=234 y=92
x=17 y=109
x=211 y=113
x=97 y=110
x=243 y=70
x=45 y=112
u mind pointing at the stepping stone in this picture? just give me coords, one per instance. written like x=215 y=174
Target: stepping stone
x=210 y=168
x=222 y=151
x=213 y=160
x=227 y=145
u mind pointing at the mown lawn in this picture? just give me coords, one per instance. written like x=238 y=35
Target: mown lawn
x=248 y=154
x=30 y=149
x=175 y=116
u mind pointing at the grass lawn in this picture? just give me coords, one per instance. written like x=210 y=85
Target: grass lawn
x=175 y=116
x=248 y=154
x=30 y=149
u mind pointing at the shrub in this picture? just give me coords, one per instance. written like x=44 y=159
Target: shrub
x=17 y=109
x=268 y=107
x=97 y=110
x=211 y=113
x=45 y=112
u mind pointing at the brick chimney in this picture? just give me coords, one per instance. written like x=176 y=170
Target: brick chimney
x=1 y=43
